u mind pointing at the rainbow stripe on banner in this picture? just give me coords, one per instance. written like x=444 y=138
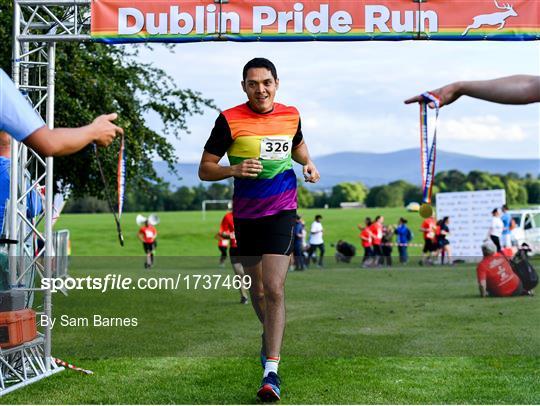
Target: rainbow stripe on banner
x=123 y=21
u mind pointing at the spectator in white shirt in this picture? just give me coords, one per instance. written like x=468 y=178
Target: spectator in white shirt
x=316 y=240
x=496 y=229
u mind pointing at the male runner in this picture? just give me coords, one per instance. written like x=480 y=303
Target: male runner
x=148 y=234
x=261 y=138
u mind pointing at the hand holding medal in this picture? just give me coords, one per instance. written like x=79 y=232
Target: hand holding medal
x=428 y=154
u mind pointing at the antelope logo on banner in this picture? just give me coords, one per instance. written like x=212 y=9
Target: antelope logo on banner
x=498 y=18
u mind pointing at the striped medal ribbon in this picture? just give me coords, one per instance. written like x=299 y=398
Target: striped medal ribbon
x=428 y=153
x=120 y=178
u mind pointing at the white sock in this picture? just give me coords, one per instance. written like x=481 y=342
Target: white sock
x=271 y=366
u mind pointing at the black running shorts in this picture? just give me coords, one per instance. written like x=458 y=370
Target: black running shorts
x=266 y=235
x=235 y=255
x=429 y=246
x=149 y=246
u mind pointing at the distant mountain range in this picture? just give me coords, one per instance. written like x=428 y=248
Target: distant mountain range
x=374 y=169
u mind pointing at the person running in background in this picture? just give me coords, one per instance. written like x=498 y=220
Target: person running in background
x=367 y=243
x=430 y=248
x=148 y=234
x=404 y=237
x=226 y=231
x=223 y=236
x=299 y=234
x=442 y=239
x=376 y=229
x=316 y=240
x=517 y=89
x=386 y=245
x=506 y=218
x=496 y=229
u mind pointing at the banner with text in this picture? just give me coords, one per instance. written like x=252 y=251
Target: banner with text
x=122 y=21
x=470 y=219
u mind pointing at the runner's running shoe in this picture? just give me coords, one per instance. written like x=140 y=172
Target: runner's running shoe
x=269 y=390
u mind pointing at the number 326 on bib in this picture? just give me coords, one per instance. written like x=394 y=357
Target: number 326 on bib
x=275 y=148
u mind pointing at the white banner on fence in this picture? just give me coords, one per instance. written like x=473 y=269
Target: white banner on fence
x=470 y=218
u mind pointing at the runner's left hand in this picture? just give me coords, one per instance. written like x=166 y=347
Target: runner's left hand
x=311 y=174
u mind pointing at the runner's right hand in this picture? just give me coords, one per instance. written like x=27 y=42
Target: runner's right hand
x=250 y=168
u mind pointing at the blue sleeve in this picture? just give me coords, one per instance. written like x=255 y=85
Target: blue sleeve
x=409 y=235
x=33 y=204
x=17 y=117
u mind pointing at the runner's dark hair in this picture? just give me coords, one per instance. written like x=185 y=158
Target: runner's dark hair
x=260 y=63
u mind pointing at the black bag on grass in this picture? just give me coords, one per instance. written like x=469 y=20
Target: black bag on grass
x=524 y=270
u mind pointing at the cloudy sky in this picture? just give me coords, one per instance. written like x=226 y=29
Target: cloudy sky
x=350 y=94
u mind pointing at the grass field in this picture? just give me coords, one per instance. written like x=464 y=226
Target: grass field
x=402 y=335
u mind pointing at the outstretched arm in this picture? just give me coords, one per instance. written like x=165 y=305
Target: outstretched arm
x=66 y=141
x=517 y=89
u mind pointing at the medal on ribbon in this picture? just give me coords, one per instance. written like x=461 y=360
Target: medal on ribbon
x=428 y=153
x=121 y=179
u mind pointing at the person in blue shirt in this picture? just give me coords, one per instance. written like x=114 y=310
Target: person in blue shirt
x=19 y=119
x=34 y=205
x=299 y=259
x=404 y=236
x=506 y=219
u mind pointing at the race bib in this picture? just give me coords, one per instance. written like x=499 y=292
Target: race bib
x=275 y=148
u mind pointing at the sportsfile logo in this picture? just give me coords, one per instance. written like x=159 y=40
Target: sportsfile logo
x=118 y=282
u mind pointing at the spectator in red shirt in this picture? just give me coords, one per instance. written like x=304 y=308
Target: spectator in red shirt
x=224 y=237
x=148 y=234
x=226 y=233
x=495 y=275
x=430 y=246
x=367 y=242
x=376 y=229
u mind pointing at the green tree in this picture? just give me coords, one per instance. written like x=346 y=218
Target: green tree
x=305 y=198
x=484 y=180
x=184 y=198
x=348 y=192
x=93 y=79
x=516 y=193
x=150 y=197
x=533 y=190
x=218 y=191
x=86 y=204
x=450 y=181
x=320 y=199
